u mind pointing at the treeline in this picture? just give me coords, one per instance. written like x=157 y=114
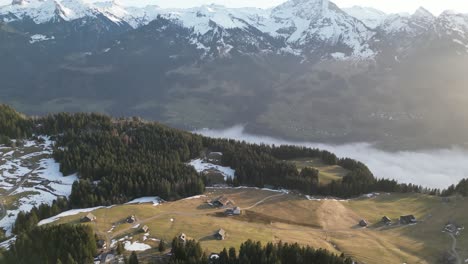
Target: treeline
x=251 y=252
x=27 y=221
x=71 y=244
x=118 y=160
x=461 y=188
x=13 y=125
x=260 y=165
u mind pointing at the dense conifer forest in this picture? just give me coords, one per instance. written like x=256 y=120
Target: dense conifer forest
x=251 y=252
x=71 y=244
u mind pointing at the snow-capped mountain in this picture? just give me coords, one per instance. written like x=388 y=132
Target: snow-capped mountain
x=307 y=28
x=371 y=17
x=311 y=25
x=305 y=66
x=455 y=27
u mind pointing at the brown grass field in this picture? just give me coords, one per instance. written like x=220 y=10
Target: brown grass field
x=327 y=173
x=272 y=216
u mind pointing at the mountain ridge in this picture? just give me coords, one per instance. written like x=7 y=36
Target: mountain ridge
x=294 y=72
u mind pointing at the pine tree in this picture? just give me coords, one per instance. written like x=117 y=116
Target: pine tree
x=120 y=248
x=133 y=258
x=162 y=246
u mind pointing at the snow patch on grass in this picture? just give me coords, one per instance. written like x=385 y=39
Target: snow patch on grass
x=136 y=246
x=67 y=213
x=201 y=166
x=33 y=181
x=195 y=197
x=150 y=199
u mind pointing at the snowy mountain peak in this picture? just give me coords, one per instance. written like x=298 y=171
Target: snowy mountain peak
x=423 y=13
x=371 y=17
x=304 y=9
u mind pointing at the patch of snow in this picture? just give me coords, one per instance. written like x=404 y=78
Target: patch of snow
x=67 y=213
x=201 y=166
x=42 y=185
x=311 y=198
x=7 y=243
x=338 y=55
x=136 y=246
x=155 y=200
x=371 y=17
x=39 y=38
x=371 y=195
x=195 y=197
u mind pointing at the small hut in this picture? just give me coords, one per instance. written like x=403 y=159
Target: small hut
x=386 y=220
x=363 y=223
x=221 y=202
x=88 y=218
x=131 y=219
x=220 y=234
x=407 y=219
x=144 y=229
x=101 y=244
x=233 y=211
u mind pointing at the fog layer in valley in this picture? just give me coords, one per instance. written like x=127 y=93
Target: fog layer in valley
x=437 y=168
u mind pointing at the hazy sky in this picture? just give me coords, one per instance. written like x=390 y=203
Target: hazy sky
x=390 y=6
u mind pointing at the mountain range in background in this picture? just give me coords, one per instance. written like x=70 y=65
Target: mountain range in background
x=304 y=70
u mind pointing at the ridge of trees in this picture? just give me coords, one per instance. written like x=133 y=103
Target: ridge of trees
x=251 y=252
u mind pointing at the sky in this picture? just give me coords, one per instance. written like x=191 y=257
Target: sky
x=389 y=6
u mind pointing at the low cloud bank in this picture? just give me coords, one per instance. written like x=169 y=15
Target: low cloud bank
x=437 y=168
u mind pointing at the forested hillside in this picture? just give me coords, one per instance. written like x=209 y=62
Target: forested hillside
x=53 y=244
x=121 y=159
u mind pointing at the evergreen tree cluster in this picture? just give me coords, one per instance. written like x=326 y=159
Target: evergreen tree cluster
x=461 y=189
x=13 y=125
x=188 y=252
x=27 y=221
x=71 y=244
x=251 y=252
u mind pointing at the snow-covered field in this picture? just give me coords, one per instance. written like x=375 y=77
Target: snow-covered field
x=32 y=177
x=201 y=166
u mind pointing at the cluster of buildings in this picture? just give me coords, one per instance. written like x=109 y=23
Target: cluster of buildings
x=404 y=220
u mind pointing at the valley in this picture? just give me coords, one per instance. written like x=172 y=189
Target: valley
x=305 y=70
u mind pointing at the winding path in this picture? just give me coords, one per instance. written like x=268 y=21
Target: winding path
x=263 y=200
